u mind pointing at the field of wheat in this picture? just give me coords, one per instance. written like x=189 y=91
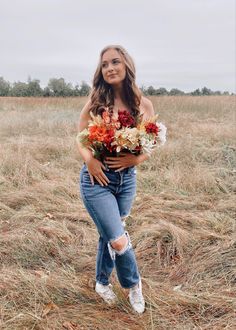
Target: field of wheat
x=182 y=223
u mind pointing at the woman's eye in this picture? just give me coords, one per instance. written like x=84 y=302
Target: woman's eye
x=104 y=65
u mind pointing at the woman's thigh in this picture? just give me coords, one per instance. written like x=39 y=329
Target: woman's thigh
x=127 y=193
x=102 y=206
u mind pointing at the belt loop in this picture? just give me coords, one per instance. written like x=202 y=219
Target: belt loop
x=121 y=177
x=129 y=170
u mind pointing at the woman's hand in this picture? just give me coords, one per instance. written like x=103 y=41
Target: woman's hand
x=95 y=170
x=122 y=161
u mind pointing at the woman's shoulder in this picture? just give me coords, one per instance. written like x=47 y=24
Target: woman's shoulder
x=87 y=105
x=85 y=112
x=146 y=107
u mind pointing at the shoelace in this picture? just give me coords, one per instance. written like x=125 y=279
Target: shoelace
x=108 y=292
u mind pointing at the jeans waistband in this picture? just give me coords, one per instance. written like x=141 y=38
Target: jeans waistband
x=126 y=170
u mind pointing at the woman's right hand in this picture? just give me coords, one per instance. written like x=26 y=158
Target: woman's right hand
x=95 y=169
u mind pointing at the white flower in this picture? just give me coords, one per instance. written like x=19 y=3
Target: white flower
x=126 y=138
x=147 y=142
x=162 y=132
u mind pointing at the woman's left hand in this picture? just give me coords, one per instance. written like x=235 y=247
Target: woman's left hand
x=121 y=162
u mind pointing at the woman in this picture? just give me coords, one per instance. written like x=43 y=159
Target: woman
x=108 y=186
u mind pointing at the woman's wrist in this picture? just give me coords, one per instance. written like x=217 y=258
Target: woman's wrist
x=88 y=158
x=141 y=158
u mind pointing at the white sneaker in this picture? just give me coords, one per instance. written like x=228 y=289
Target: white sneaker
x=136 y=298
x=106 y=292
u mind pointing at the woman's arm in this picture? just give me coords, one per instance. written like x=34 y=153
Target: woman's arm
x=148 y=110
x=82 y=124
x=95 y=167
x=148 y=113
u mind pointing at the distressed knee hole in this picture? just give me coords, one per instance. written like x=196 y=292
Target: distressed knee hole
x=121 y=243
x=119 y=246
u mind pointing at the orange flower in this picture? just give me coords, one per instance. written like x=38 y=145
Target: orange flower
x=101 y=134
x=97 y=133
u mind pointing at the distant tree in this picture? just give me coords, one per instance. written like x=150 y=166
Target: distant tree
x=84 y=89
x=216 y=93
x=161 y=91
x=76 y=91
x=176 y=91
x=196 y=92
x=19 y=89
x=225 y=93
x=206 y=91
x=4 y=87
x=34 y=88
x=46 y=92
x=151 y=90
x=58 y=87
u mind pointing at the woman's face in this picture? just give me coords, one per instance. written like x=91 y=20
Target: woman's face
x=113 y=67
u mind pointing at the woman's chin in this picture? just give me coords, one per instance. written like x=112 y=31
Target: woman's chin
x=115 y=82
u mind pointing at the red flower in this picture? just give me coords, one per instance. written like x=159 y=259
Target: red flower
x=108 y=138
x=151 y=128
x=125 y=118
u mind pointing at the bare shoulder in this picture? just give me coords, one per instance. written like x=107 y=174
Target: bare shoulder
x=85 y=110
x=146 y=107
x=84 y=116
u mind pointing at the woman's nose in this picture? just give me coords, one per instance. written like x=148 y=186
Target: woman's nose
x=110 y=67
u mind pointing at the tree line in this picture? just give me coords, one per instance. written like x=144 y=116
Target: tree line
x=175 y=91
x=59 y=87
x=55 y=87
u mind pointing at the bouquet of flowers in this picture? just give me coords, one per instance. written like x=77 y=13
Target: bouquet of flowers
x=107 y=133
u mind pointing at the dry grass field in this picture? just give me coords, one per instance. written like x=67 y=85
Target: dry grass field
x=182 y=223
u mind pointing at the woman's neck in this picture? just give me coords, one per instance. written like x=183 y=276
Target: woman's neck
x=119 y=98
x=118 y=93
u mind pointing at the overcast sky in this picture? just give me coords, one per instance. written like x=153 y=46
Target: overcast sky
x=186 y=44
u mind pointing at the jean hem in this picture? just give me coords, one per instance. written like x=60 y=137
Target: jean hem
x=130 y=287
x=102 y=283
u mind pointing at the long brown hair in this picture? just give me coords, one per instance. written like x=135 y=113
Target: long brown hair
x=102 y=93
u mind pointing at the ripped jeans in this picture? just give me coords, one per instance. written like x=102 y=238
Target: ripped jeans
x=108 y=206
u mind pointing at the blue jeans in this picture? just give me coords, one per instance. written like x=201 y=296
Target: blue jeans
x=107 y=206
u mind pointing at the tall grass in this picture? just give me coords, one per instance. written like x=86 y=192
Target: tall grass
x=182 y=223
